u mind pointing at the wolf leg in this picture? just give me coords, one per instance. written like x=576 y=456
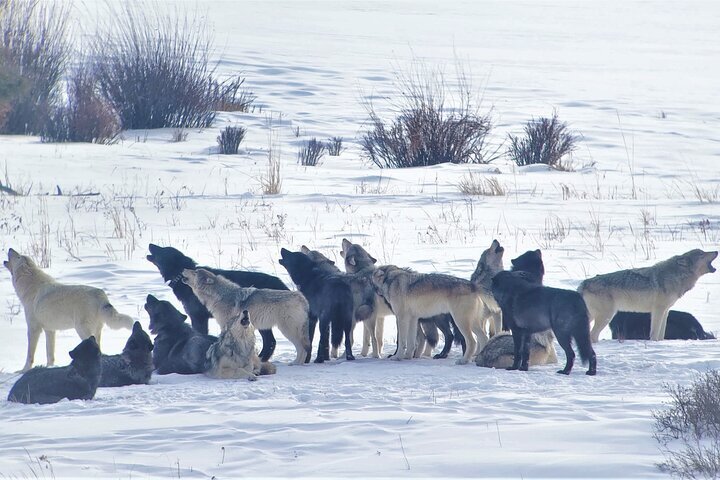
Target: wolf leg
x=378 y=335
x=465 y=323
x=33 y=335
x=565 y=342
x=368 y=337
x=269 y=343
x=50 y=347
x=524 y=351
x=323 y=351
x=658 y=323
x=601 y=316
x=517 y=343
x=411 y=338
x=349 y=341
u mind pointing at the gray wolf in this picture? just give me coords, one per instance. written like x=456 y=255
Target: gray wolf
x=636 y=326
x=234 y=355
x=171 y=262
x=133 y=366
x=651 y=290
x=79 y=380
x=412 y=295
x=331 y=301
x=359 y=262
x=179 y=348
x=528 y=307
x=498 y=352
x=363 y=294
x=268 y=308
x=50 y=306
x=530 y=262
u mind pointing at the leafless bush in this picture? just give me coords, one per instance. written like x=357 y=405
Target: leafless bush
x=472 y=184
x=155 y=70
x=434 y=123
x=33 y=44
x=334 y=146
x=178 y=135
x=689 y=430
x=230 y=138
x=272 y=181
x=233 y=97
x=546 y=141
x=311 y=153
x=87 y=116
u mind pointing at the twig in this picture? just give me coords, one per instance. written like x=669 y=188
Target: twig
x=403 y=452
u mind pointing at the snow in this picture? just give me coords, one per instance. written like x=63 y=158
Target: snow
x=613 y=71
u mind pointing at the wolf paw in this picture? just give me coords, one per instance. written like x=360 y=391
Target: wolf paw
x=513 y=367
x=461 y=361
x=252 y=377
x=563 y=372
x=591 y=372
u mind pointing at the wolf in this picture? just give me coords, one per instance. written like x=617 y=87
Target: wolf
x=50 y=306
x=651 y=290
x=528 y=307
x=363 y=294
x=234 y=355
x=413 y=295
x=133 y=366
x=178 y=348
x=79 y=380
x=331 y=301
x=358 y=261
x=636 y=326
x=171 y=262
x=268 y=308
x=499 y=351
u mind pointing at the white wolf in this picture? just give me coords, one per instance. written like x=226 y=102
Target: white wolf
x=50 y=306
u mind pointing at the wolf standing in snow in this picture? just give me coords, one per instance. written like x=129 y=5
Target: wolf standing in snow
x=267 y=308
x=651 y=290
x=50 y=306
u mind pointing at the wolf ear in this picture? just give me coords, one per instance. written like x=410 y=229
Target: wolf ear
x=351 y=260
x=373 y=259
x=304 y=249
x=209 y=280
x=7 y=264
x=538 y=253
x=346 y=244
x=137 y=328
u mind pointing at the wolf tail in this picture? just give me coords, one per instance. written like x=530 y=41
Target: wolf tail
x=267 y=368
x=116 y=320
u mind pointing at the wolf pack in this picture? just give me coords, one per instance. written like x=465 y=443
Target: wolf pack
x=499 y=318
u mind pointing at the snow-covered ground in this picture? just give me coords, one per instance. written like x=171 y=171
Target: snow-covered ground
x=637 y=79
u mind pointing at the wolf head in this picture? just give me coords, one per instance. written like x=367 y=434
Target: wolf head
x=531 y=262
x=17 y=264
x=138 y=348
x=162 y=315
x=198 y=277
x=245 y=320
x=86 y=352
x=169 y=261
x=490 y=263
x=298 y=265
x=697 y=261
x=506 y=284
x=320 y=260
x=356 y=257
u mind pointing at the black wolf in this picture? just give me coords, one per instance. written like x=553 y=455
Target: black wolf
x=331 y=301
x=636 y=326
x=133 y=366
x=171 y=262
x=79 y=380
x=178 y=347
x=528 y=307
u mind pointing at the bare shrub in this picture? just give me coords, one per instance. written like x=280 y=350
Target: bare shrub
x=34 y=45
x=155 y=70
x=311 y=153
x=178 y=135
x=689 y=429
x=229 y=139
x=546 y=141
x=434 y=122
x=334 y=146
x=87 y=116
x=271 y=182
x=233 y=97
x=472 y=184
